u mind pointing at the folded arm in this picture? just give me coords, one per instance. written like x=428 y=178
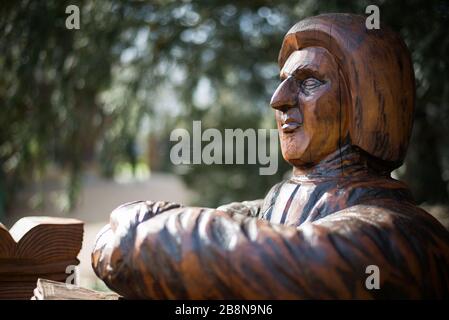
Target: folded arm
x=197 y=253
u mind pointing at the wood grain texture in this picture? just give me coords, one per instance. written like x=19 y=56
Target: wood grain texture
x=344 y=110
x=37 y=247
x=319 y=251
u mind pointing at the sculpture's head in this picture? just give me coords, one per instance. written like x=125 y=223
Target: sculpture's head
x=342 y=83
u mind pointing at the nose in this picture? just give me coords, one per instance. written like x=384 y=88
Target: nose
x=286 y=95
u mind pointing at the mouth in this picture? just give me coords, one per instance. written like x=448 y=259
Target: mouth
x=290 y=127
x=291 y=120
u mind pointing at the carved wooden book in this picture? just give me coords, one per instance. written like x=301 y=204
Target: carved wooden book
x=37 y=247
x=53 y=290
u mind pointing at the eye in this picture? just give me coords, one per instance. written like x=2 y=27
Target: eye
x=310 y=83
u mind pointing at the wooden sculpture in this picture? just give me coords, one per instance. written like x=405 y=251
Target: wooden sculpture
x=344 y=111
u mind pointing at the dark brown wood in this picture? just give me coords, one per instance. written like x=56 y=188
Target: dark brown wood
x=37 y=247
x=53 y=290
x=376 y=79
x=344 y=111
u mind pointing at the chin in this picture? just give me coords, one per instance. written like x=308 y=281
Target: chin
x=294 y=149
x=299 y=155
x=298 y=162
x=294 y=158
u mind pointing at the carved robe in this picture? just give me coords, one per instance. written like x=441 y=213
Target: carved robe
x=313 y=238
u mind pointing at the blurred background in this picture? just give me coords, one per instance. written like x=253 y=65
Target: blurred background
x=86 y=115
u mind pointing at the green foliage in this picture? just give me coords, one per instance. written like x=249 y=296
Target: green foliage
x=77 y=97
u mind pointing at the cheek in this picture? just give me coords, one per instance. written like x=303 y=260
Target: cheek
x=322 y=114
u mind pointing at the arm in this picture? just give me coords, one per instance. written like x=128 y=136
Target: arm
x=195 y=253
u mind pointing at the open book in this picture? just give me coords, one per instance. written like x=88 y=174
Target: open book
x=52 y=290
x=37 y=247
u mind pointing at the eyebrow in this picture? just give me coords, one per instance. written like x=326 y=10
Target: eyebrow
x=308 y=68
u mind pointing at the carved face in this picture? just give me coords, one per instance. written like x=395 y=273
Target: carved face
x=311 y=104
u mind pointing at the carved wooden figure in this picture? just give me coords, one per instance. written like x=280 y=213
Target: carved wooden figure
x=344 y=111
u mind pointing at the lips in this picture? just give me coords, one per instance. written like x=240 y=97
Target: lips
x=290 y=127
x=291 y=120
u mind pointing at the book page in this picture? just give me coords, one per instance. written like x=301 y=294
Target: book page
x=24 y=225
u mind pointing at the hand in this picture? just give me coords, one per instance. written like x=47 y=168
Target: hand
x=111 y=256
x=132 y=214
